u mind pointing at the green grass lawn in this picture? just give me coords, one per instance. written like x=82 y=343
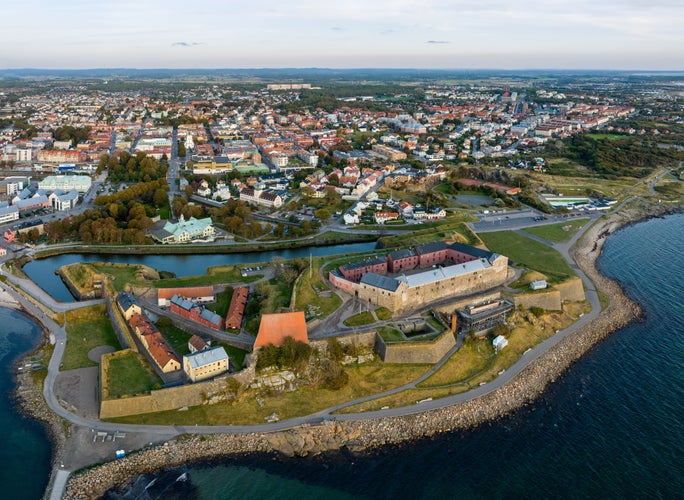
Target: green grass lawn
x=84 y=333
x=449 y=230
x=390 y=334
x=529 y=253
x=121 y=273
x=129 y=375
x=383 y=314
x=557 y=233
x=361 y=319
x=222 y=303
x=313 y=295
x=215 y=275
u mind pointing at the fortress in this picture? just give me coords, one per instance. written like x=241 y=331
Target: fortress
x=408 y=279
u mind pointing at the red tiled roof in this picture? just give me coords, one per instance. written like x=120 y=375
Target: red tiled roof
x=197 y=342
x=274 y=328
x=160 y=350
x=237 y=306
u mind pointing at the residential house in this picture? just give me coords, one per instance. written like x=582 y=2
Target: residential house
x=205 y=364
x=128 y=305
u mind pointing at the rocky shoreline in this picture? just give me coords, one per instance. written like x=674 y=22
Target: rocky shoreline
x=28 y=396
x=361 y=436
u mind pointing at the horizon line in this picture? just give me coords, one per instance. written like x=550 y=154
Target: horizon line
x=333 y=68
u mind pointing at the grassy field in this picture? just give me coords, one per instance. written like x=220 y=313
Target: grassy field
x=86 y=328
x=361 y=319
x=313 y=295
x=222 y=303
x=366 y=379
x=383 y=314
x=529 y=253
x=578 y=186
x=446 y=231
x=215 y=275
x=557 y=233
x=130 y=375
x=390 y=334
x=121 y=274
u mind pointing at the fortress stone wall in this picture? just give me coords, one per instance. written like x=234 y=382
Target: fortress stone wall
x=415 y=352
x=406 y=298
x=171 y=398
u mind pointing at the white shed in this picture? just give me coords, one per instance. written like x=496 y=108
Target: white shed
x=499 y=343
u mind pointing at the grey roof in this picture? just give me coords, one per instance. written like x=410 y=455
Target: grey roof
x=68 y=196
x=33 y=201
x=402 y=254
x=182 y=302
x=474 y=251
x=431 y=247
x=364 y=263
x=442 y=273
x=126 y=300
x=380 y=281
x=207 y=356
x=8 y=210
x=210 y=316
x=160 y=233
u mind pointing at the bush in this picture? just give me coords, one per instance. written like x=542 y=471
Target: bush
x=335 y=349
x=537 y=311
x=292 y=355
x=334 y=376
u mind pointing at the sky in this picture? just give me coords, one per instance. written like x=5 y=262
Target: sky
x=448 y=34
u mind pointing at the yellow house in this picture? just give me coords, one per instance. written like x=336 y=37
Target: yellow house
x=205 y=364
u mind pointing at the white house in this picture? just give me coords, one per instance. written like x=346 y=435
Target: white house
x=351 y=219
x=62 y=201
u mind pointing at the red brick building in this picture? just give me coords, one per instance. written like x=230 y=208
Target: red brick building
x=236 y=310
x=189 y=310
x=402 y=259
x=355 y=270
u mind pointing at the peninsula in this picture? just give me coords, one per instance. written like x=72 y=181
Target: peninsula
x=481 y=290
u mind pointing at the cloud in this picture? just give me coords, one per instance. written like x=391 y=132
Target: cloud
x=337 y=28
x=186 y=44
x=439 y=42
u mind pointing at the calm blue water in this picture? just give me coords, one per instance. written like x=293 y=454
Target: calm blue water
x=24 y=446
x=611 y=427
x=42 y=272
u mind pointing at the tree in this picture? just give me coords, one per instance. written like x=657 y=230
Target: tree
x=159 y=198
x=322 y=214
